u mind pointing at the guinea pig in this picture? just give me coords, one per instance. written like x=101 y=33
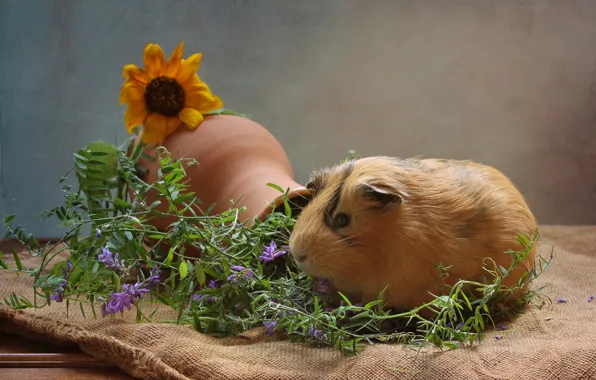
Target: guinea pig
x=383 y=222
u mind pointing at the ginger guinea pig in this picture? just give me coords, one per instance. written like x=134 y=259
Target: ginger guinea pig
x=381 y=222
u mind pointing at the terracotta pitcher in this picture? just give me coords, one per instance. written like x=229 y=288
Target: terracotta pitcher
x=237 y=158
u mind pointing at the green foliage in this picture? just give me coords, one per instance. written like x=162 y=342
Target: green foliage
x=230 y=288
x=225 y=111
x=352 y=155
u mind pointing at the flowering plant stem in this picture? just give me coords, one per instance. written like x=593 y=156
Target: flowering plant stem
x=243 y=279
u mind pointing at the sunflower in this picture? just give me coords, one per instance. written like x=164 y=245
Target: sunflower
x=165 y=94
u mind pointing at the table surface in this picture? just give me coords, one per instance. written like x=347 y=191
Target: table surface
x=26 y=359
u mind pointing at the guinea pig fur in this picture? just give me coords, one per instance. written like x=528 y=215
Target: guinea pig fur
x=381 y=222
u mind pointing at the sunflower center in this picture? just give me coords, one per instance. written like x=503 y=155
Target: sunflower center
x=165 y=96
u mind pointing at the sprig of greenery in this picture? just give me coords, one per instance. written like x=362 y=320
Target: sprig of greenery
x=233 y=286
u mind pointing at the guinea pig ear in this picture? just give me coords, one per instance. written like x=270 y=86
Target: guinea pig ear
x=384 y=196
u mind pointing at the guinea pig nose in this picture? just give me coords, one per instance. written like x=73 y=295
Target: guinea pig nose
x=300 y=257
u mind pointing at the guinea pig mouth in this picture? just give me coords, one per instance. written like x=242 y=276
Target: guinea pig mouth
x=307 y=266
x=302 y=262
x=301 y=259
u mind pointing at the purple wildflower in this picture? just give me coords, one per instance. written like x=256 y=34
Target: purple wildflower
x=247 y=273
x=562 y=300
x=502 y=327
x=319 y=334
x=270 y=325
x=66 y=271
x=97 y=233
x=111 y=262
x=118 y=301
x=201 y=297
x=271 y=252
x=591 y=298
x=498 y=337
x=154 y=279
x=58 y=295
x=198 y=297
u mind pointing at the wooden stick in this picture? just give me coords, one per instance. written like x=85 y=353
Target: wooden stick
x=37 y=360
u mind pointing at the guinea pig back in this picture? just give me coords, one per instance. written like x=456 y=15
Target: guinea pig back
x=381 y=222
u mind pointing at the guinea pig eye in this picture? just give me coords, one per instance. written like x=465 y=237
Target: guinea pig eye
x=341 y=220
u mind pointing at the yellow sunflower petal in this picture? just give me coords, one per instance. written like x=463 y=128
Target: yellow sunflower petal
x=154 y=128
x=215 y=104
x=136 y=73
x=189 y=67
x=154 y=60
x=191 y=117
x=200 y=97
x=172 y=123
x=131 y=90
x=193 y=80
x=175 y=60
x=135 y=115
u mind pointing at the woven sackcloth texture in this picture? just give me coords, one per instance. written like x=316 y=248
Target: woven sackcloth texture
x=558 y=342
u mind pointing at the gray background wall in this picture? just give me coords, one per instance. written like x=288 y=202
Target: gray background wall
x=508 y=83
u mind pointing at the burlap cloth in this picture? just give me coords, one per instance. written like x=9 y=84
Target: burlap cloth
x=558 y=342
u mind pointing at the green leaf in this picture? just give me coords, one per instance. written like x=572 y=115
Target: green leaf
x=83 y=168
x=174 y=177
x=467 y=300
x=97 y=163
x=26 y=301
x=116 y=280
x=200 y=275
x=17 y=260
x=183 y=269
x=373 y=303
x=197 y=322
x=523 y=239
x=9 y=218
x=154 y=205
x=317 y=307
x=121 y=203
x=170 y=256
x=2 y=263
x=449 y=345
x=503 y=270
x=345 y=298
x=82 y=309
x=99 y=154
x=80 y=157
x=287 y=208
x=276 y=187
